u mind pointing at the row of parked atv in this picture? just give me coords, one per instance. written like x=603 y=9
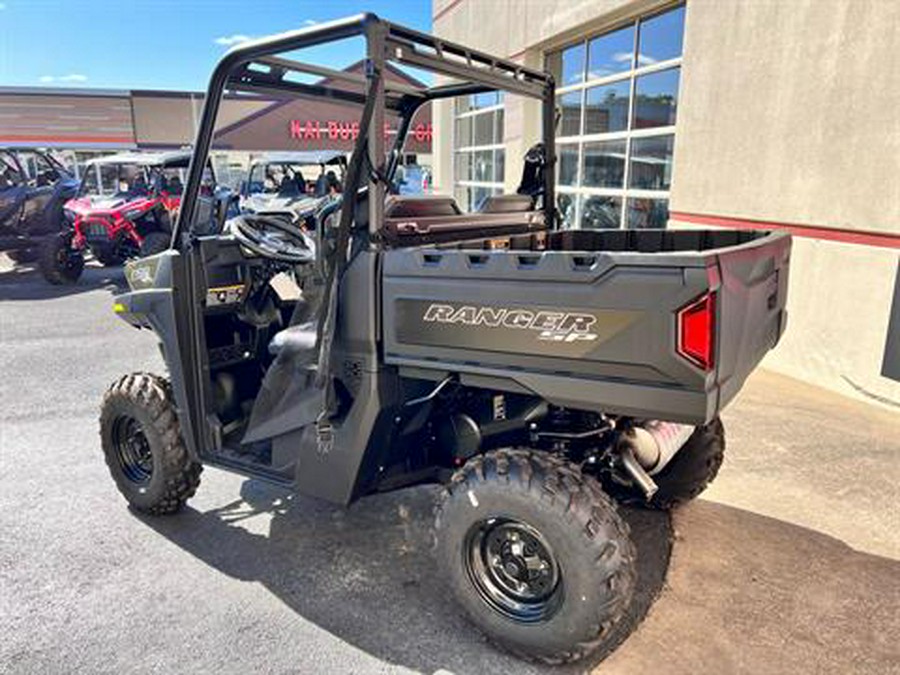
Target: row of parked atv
x=125 y=204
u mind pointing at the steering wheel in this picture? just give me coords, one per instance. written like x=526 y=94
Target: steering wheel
x=272 y=237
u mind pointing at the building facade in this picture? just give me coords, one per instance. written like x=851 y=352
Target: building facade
x=715 y=113
x=86 y=122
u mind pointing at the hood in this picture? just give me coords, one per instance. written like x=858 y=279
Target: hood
x=96 y=203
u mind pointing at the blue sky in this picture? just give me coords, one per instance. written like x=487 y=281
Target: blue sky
x=160 y=44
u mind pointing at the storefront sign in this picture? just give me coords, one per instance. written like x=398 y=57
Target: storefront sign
x=307 y=130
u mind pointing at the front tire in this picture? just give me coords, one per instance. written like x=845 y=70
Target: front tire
x=536 y=553
x=143 y=447
x=59 y=262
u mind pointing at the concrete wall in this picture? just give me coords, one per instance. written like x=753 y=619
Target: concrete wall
x=790 y=111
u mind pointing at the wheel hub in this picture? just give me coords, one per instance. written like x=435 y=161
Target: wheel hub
x=513 y=569
x=132 y=450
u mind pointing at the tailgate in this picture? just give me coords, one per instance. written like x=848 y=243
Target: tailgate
x=751 y=307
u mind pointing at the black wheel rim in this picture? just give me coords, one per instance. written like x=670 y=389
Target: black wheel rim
x=132 y=450
x=513 y=569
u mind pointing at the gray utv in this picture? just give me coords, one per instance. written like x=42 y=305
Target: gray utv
x=541 y=376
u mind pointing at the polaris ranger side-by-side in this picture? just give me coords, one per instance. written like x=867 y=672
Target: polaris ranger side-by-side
x=539 y=375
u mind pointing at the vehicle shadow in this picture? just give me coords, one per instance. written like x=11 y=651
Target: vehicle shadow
x=367 y=574
x=23 y=281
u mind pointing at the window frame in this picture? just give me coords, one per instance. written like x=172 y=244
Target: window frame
x=631 y=75
x=496 y=187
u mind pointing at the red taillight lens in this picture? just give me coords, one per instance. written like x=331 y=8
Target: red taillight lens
x=697 y=331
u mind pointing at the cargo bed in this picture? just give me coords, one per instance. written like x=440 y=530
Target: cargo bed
x=591 y=319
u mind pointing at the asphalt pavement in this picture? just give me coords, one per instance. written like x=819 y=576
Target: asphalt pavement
x=788 y=564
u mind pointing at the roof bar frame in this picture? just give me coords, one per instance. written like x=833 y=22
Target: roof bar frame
x=385 y=42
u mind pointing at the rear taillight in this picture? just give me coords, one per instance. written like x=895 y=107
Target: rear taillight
x=697 y=331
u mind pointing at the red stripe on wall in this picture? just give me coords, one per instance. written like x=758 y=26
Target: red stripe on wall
x=843 y=235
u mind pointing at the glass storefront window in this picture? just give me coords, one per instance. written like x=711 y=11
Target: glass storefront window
x=567 y=159
x=600 y=212
x=604 y=164
x=463 y=131
x=483 y=129
x=463 y=165
x=606 y=108
x=479 y=159
x=611 y=53
x=567 y=66
x=570 y=116
x=647 y=213
x=661 y=37
x=651 y=163
x=615 y=137
x=656 y=99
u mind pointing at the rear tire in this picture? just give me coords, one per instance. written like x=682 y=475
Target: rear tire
x=155 y=242
x=536 y=553
x=142 y=443
x=692 y=468
x=59 y=262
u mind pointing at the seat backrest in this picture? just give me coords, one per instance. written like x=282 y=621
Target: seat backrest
x=431 y=206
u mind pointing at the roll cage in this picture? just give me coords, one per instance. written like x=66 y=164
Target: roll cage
x=255 y=67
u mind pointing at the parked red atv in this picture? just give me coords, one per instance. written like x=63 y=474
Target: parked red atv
x=124 y=209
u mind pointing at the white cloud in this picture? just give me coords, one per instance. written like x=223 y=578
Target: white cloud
x=71 y=77
x=231 y=40
x=310 y=22
x=644 y=60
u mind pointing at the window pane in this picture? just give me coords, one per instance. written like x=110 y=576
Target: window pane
x=570 y=120
x=568 y=164
x=661 y=36
x=478 y=195
x=606 y=108
x=651 y=162
x=463 y=165
x=604 y=164
x=644 y=213
x=483 y=169
x=498 y=126
x=463 y=104
x=611 y=53
x=600 y=212
x=567 y=66
x=566 y=205
x=499 y=161
x=463 y=132
x=484 y=100
x=484 y=129
x=656 y=99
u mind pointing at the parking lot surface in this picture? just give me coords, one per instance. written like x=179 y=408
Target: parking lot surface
x=789 y=564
